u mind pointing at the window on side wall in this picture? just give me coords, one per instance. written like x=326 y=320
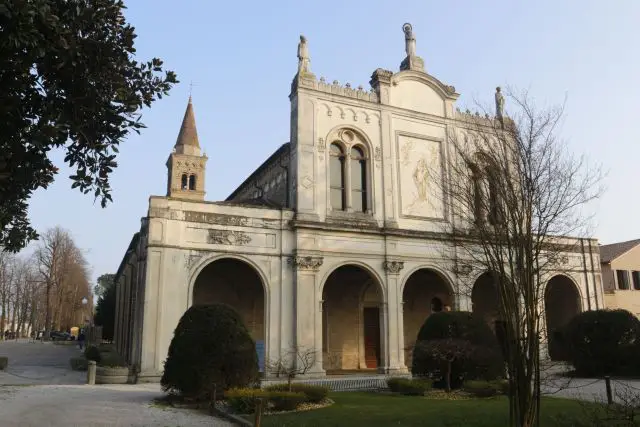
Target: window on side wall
x=635 y=275
x=623 y=279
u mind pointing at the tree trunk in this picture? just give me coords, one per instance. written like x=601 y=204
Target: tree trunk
x=47 y=318
x=448 y=377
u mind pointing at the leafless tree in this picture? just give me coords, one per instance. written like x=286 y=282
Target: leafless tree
x=516 y=192
x=64 y=273
x=295 y=361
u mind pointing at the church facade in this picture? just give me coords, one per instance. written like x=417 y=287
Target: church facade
x=335 y=244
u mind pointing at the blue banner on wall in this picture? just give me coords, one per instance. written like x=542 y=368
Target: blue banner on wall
x=260 y=351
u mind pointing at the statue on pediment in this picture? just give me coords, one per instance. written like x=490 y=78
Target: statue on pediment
x=409 y=40
x=303 y=56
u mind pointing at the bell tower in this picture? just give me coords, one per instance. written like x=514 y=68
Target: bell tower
x=186 y=165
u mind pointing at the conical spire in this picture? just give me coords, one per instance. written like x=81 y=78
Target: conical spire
x=188 y=136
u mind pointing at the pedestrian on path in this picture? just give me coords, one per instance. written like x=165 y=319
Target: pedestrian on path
x=81 y=338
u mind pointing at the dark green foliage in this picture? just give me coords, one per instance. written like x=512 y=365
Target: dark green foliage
x=78 y=363
x=244 y=400
x=480 y=358
x=211 y=347
x=286 y=400
x=69 y=79
x=484 y=388
x=92 y=353
x=112 y=360
x=4 y=362
x=409 y=387
x=313 y=393
x=603 y=342
x=106 y=308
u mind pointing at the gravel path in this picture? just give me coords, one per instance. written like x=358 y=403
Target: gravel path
x=103 y=405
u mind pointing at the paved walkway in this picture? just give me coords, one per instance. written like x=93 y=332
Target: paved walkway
x=39 y=389
x=88 y=406
x=39 y=362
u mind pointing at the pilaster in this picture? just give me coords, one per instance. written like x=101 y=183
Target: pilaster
x=393 y=325
x=308 y=308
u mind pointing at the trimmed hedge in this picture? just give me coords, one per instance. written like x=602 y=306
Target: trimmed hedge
x=485 y=361
x=244 y=400
x=211 y=350
x=4 y=362
x=483 y=388
x=604 y=342
x=112 y=360
x=312 y=393
x=286 y=400
x=409 y=387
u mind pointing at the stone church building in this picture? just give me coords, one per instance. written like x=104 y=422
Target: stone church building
x=334 y=244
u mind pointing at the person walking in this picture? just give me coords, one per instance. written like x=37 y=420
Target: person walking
x=81 y=339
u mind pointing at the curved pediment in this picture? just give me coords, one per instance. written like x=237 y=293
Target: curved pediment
x=418 y=91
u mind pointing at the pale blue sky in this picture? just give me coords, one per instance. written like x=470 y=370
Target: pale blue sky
x=242 y=57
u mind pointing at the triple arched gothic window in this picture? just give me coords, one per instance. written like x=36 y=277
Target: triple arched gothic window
x=348 y=185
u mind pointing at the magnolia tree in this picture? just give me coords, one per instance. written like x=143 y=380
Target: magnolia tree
x=516 y=191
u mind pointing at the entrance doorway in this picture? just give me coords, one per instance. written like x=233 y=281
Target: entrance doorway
x=371 y=319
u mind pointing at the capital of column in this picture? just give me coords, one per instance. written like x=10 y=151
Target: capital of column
x=393 y=267
x=309 y=263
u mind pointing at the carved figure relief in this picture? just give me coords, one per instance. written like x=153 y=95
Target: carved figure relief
x=393 y=267
x=420 y=171
x=228 y=237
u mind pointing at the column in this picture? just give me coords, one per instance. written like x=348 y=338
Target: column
x=394 y=322
x=308 y=308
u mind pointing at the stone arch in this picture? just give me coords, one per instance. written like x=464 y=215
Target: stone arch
x=352 y=296
x=423 y=290
x=238 y=283
x=333 y=135
x=562 y=302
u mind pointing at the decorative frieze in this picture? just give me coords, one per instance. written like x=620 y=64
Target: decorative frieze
x=311 y=263
x=214 y=218
x=228 y=237
x=393 y=267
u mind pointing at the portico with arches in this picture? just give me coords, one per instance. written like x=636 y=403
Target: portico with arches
x=337 y=243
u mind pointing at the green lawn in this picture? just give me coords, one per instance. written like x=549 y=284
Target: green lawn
x=373 y=409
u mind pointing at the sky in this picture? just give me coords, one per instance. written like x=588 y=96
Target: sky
x=241 y=58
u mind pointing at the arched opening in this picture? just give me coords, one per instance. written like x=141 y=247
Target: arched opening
x=561 y=304
x=192 y=182
x=237 y=284
x=183 y=183
x=424 y=293
x=485 y=300
x=351 y=325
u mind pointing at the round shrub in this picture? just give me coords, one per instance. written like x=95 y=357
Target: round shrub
x=479 y=358
x=211 y=350
x=600 y=341
x=482 y=388
x=409 y=387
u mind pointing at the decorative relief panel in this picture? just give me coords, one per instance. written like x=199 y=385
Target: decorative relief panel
x=393 y=267
x=311 y=263
x=420 y=177
x=228 y=237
